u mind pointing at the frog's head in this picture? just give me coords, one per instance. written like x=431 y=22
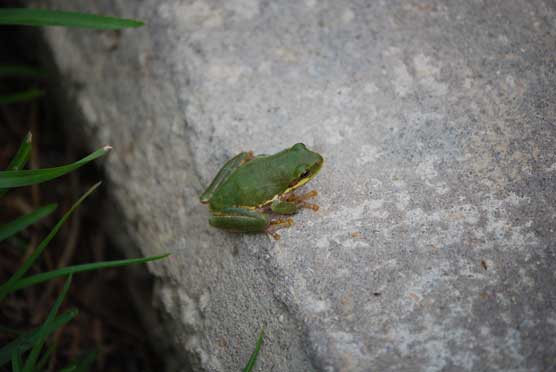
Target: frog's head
x=304 y=163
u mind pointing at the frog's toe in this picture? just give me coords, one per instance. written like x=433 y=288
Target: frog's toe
x=280 y=223
x=300 y=202
x=275 y=235
x=308 y=195
x=296 y=199
x=312 y=206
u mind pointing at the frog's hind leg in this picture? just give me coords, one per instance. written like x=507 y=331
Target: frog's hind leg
x=225 y=172
x=239 y=220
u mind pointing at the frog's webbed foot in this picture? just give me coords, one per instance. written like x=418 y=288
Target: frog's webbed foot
x=280 y=223
x=290 y=203
x=299 y=200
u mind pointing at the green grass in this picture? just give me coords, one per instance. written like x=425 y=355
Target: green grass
x=11 y=284
x=253 y=359
x=45 y=328
x=47 y=356
x=21 y=223
x=24 y=96
x=82 y=364
x=32 y=342
x=20 y=158
x=16 y=362
x=22 y=155
x=17 y=178
x=24 y=352
x=26 y=340
x=45 y=17
x=43 y=277
x=20 y=71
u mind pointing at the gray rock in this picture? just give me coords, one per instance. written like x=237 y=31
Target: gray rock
x=434 y=248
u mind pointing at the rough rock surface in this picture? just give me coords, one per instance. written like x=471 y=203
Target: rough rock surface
x=434 y=248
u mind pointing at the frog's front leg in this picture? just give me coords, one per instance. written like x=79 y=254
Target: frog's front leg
x=239 y=220
x=291 y=203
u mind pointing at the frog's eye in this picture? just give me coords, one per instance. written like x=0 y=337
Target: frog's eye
x=305 y=174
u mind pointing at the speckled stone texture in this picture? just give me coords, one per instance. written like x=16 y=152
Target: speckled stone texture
x=434 y=248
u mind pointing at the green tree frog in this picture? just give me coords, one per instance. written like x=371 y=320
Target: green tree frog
x=249 y=188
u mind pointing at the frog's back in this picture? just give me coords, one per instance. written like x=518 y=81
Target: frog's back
x=252 y=184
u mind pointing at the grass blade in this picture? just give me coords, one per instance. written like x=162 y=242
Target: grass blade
x=29 y=177
x=43 y=277
x=43 y=331
x=28 y=339
x=83 y=363
x=21 y=157
x=24 y=96
x=15 y=226
x=23 y=153
x=20 y=71
x=44 y=17
x=16 y=362
x=47 y=356
x=9 y=285
x=253 y=359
